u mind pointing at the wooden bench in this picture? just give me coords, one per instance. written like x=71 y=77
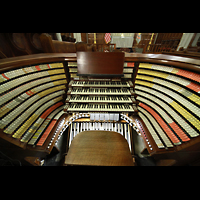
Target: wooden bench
x=99 y=148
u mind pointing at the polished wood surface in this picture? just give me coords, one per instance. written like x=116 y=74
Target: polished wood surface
x=178 y=61
x=20 y=61
x=100 y=63
x=140 y=57
x=99 y=148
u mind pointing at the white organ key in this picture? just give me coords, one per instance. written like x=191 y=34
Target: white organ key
x=101 y=126
x=112 y=129
x=108 y=126
x=72 y=130
x=75 y=132
x=115 y=128
x=91 y=109
x=104 y=126
x=129 y=139
x=100 y=107
x=116 y=107
x=98 y=126
x=90 y=126
x=93 y=126
x=81 y=127
x=84 y=107
x=118 y=130
x=77 y=128
x=86 y=127
x=118 y=127
x=71 y=135
x=125 y=134
x=121 y=129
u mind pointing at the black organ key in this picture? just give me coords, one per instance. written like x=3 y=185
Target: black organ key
x=71 y=106
x=123 y=83
x=119 y=90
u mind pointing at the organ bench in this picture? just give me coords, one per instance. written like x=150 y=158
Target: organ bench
x=157 y=96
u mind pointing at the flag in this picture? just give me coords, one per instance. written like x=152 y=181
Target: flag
x=138 y=38
x=107 y=38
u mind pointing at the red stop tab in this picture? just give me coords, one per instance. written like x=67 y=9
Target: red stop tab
x=38 y=68
x=130 y=64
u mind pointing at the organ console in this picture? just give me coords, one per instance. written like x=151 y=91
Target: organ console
x=155 y=96
x=103 y=95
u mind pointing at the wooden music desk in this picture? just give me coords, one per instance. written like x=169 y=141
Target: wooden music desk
x=99 y=148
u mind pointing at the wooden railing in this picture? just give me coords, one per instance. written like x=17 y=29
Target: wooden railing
x=158 y=48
